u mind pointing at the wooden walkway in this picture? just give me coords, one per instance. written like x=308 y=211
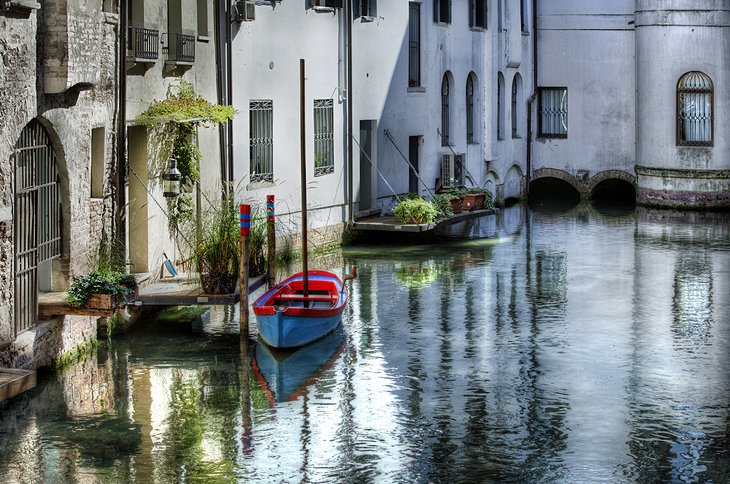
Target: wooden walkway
x=184 y=290
x=388 y=226
x=14 y=382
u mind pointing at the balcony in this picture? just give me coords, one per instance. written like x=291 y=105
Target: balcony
x=143 y=45
x=180 y=49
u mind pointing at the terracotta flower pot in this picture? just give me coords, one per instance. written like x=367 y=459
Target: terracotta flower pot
x=455 y=204
x=473 y=201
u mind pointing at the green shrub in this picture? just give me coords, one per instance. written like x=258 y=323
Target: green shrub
x=415 y=210
x=443 y=204
x=100 y=282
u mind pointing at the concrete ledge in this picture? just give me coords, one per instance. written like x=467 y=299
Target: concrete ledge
x=681 y=199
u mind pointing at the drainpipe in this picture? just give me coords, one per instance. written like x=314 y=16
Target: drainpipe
x=121 y=168
x=220 y=86
x=229 y=90
x=348 y=41
x=530 y=104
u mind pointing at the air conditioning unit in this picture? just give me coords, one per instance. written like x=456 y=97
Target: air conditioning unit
x=244 y=11
x=452 y=170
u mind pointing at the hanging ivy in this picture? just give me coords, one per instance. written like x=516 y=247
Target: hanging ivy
x=172 y=126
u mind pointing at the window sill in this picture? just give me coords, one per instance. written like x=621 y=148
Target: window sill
x=417 y=89
x=476 y=28
x=525 y=33
x=203 y=38
x=261 y=184
x=472 y=143
x=442 y=24
x=552 y=136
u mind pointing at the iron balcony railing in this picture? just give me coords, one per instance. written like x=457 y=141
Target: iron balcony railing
x=180 y=48
x=143 y=43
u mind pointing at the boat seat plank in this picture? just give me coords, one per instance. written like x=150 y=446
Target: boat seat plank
x=302 y=297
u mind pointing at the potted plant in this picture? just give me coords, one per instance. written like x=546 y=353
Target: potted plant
x=443 y=204
x=216 y=252
x=415 y=211
x=101 y=290
x=473 y=199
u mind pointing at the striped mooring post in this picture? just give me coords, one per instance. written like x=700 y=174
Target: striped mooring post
x=271 y=250
x=245 y=224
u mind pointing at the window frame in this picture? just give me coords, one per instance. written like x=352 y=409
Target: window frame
x=478 y=17
x=445 y=121
x=439 y=8
x=470 y=138
x=683 y=91
x=540 y=132
x=324 y=135
x=414 y=60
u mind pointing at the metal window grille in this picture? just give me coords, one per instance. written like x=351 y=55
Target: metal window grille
x=694 y=110
x=553 y=112
x=470 y=109
x=143 y=43
x=324 y=137
x=261 y=139
x=36 y=221
x=414 y=44
x=445 y=111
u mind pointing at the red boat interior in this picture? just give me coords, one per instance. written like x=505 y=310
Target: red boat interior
x=322 y=294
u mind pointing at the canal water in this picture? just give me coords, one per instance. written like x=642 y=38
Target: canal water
x=580 y=344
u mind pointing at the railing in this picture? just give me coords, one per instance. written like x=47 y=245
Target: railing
x=143 y=43
x=180 y=48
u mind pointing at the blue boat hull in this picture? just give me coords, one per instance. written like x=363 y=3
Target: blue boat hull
x=280 y=331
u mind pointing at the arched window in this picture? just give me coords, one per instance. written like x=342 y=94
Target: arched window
x=500 y=106
x=445 y=110
x=516 y=104
x=694 y=110
x=470 y=108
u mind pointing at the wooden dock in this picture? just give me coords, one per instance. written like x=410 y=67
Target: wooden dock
x=184 y=290
x=14 y=382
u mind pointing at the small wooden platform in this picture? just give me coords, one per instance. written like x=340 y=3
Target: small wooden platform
x=14 y=382
x=53 y=304
x=390 y=224
x=184 y=290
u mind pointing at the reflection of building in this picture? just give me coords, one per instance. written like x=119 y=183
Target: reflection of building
x=57 y=146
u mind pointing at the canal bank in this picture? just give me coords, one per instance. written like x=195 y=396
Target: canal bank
x=581 y=345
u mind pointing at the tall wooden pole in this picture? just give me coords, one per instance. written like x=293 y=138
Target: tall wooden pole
x=271 y=251
x=245 y=224
x=303 y=149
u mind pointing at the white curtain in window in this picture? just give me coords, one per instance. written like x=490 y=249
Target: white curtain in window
x=695 y=117
x=554 y=112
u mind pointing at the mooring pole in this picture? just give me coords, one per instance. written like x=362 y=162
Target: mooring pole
x=303 y=154
x=271 y=251
x=245 y=223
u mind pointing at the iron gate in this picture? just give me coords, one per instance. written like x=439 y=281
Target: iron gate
x=37 y=225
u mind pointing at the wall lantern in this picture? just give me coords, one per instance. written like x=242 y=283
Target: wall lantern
x=171 y=180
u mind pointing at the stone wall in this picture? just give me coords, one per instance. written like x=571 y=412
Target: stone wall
x=33 y=52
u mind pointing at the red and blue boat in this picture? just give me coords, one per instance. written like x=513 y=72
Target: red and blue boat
x=301 y=310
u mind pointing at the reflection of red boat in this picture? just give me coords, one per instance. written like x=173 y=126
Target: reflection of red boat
x=285 y=374
x=288 y=316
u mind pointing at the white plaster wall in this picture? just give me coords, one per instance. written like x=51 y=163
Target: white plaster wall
x=380 y=85
x=147 y=85
x=672 y=40
x=266 y=54
x=589 y=48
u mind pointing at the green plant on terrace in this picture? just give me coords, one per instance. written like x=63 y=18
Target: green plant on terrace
x=415 y=210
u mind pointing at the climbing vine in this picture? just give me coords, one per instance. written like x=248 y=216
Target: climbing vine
x=172 y=124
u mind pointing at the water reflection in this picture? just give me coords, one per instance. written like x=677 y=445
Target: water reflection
x=580 y=346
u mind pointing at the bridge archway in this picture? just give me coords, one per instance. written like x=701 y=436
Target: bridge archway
x=552 y=193
x=613 y=186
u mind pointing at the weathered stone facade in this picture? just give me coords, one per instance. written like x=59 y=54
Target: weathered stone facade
x=58 y=66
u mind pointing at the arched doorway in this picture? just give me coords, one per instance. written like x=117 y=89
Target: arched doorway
x=36 y=220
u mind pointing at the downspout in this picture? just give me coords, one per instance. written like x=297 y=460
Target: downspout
x=121 y=168
x=348 y=41
x=229 y=92
x=533 y=97
x=220 y=86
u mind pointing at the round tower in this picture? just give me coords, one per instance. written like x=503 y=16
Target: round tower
x=682 y=101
